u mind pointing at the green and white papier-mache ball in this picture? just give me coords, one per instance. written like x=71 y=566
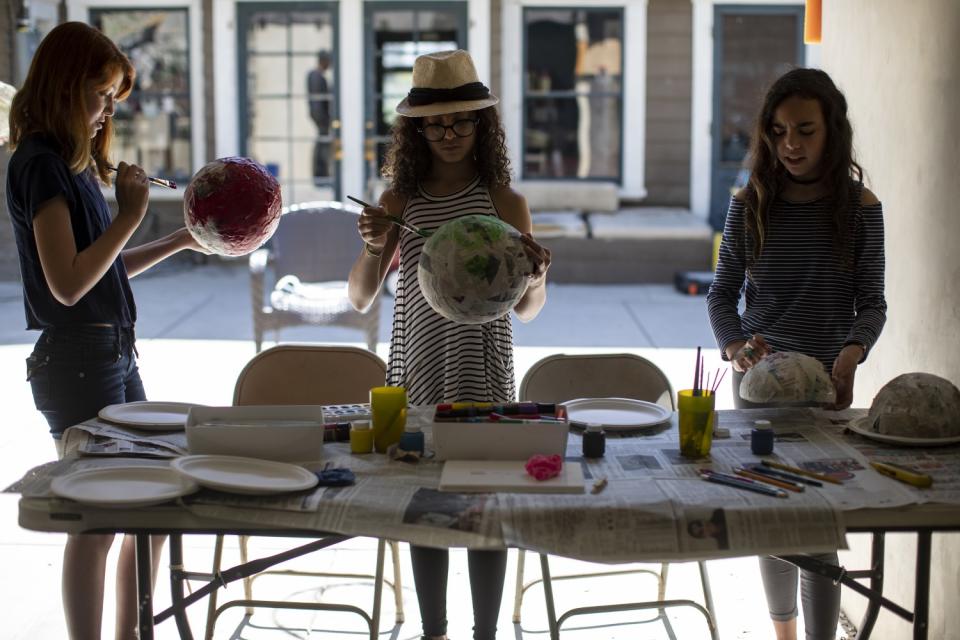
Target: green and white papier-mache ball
x=473 y=269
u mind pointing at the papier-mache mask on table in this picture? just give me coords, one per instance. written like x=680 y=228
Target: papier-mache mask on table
x=916 y=405
x=787 y=376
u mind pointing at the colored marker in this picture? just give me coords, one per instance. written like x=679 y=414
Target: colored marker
x=743 y=483
x=903 y=474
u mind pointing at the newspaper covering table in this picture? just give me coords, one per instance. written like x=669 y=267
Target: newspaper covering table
x=654 y=505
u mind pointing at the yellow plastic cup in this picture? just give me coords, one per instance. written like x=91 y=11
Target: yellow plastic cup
x=388 y=406
x=696 y=423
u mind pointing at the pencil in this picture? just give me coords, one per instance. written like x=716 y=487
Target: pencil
x=759 y=477
x=802 y=472
x=783 y=475
x=741 y=483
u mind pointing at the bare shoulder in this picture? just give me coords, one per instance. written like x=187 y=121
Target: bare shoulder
x=869 y=198
x=512 y=207
x=507 y=198
x=741 y=195
x=393 y=202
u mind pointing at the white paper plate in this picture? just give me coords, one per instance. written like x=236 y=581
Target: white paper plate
x=148 y=415
x=124 y=486
x=617 y=414
x=250 y=476
x=861 y=426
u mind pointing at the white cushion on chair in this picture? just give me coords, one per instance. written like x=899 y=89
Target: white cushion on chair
x=310 y=299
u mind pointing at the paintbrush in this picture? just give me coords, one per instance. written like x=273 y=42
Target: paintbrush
x=396 y=220
x=169 y=184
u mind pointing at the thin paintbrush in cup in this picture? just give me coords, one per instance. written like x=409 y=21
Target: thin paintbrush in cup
x=716 y=384
x=696 y=374
x=169 y=184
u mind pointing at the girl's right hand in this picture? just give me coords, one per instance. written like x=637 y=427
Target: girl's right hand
x=133 y=191
x=750 y=353
x=374 y=227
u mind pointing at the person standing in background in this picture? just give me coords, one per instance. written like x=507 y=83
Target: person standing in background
x=318 y=99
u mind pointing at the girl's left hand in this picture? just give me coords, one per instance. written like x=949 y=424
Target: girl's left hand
x=844 y=369
x=539 y=257
x=189 y=242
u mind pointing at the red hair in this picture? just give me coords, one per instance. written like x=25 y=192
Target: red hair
x=70 y=58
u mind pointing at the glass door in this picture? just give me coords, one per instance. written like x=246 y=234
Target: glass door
x=396 y=34
x=753 y=46
x=288 y=95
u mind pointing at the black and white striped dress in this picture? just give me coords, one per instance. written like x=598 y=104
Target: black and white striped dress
x=435 y=359
x=799 y=296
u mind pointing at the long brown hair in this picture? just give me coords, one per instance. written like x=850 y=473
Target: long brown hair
x=840 y=171
x=52 y=100
x=408 y=159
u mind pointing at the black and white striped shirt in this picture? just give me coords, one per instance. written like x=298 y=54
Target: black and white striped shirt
x=435 y=359
x=799 y=296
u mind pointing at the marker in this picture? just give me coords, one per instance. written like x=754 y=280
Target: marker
x=903 y=474
x=783 y=475
x=798 y=471
x=759 y=477
x=742 y=483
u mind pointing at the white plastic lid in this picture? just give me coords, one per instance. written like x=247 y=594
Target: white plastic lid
x=360 y=425
x=762 y=424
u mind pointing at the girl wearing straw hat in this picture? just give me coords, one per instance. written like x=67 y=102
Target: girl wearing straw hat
x=448 y=159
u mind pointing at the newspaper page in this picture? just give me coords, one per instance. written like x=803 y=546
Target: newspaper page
x=108 y=439
x=390 y=499
x=942 y=464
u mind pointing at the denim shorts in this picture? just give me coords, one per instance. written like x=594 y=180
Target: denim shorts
x=74 y=372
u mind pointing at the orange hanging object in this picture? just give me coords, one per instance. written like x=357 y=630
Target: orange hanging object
x=812 y=20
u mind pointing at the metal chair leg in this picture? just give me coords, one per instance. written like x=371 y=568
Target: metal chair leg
x=518 y=593
x=212 y=599
x=397 y=585
x=248 y=581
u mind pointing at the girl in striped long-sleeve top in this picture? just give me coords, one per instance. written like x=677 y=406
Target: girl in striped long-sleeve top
x=804 y=241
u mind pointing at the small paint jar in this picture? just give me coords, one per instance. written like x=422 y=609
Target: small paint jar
x=594 y=441
x=761 y=438
x=412 y=439
x=361 y=437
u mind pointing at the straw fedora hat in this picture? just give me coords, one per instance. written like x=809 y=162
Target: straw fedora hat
x=445 y=82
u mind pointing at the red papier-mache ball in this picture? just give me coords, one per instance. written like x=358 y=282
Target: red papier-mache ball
x=232 y=206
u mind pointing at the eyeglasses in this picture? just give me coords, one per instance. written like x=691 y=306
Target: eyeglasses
x=437 y=132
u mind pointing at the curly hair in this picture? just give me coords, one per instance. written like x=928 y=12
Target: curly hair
x=408 y=160
x=840 y=171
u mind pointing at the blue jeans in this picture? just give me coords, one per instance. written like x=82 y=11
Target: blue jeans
x=76 y=371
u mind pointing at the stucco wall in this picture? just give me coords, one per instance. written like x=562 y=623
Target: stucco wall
x=897 y=64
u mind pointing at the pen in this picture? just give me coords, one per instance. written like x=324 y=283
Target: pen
x=742 y=483
x=903 y=474
x=783 y=475
x=798 y=471
x=759 y=477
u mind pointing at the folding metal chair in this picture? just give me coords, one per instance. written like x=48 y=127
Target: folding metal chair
x=559 y=378
x=309 y=374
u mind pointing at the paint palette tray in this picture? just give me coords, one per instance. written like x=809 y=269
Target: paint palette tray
x=347 y=412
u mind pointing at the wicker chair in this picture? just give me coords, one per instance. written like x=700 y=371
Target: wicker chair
x=309 y=258
x=559 y=378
